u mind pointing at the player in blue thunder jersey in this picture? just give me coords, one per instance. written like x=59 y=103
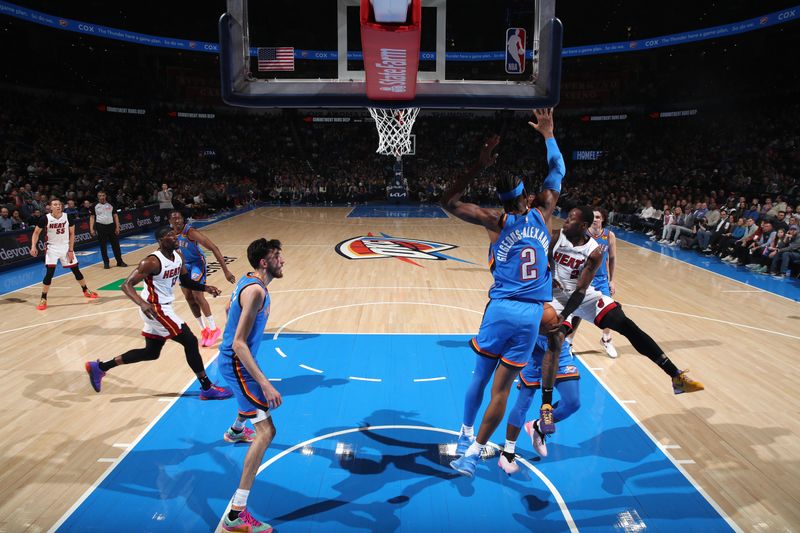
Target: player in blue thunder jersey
x=530 y=378
x=190 y=240
x=247 y=316
x=522 y=284
x=604 y=279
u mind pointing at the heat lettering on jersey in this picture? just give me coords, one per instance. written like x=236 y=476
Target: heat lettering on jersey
x=567 y=260
x=171 y=273
x=58 y=227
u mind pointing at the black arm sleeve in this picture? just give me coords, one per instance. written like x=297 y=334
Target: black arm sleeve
x=574 y=301
x=42 y=222
x=192 y=285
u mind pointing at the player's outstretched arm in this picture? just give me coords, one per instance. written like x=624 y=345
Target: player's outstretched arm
x=468 y=212
x=207 y=243
x=147 y=267
x=252 y=300
x=551 y=187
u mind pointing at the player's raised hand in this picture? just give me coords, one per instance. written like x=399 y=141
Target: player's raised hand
x=487 y=158
x=544 y=122
x=213 y=291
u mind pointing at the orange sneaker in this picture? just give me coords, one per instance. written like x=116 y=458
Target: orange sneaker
x=42 y=304
x=91 y=294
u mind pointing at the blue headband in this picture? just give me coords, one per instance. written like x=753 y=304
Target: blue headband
x=510 y=195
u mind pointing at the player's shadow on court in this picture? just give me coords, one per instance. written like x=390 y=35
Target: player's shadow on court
x=304 y=384
x=67 y=388
x=377 y=458
x=293 y=334
x=624 y=347
x=464 y=344
x=5 y=301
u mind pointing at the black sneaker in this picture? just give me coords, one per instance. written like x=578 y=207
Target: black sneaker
x=121 y=265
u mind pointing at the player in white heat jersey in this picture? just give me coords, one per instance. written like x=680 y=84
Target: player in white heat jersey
x=160 y=271
x=59 y=231
x=574 y=260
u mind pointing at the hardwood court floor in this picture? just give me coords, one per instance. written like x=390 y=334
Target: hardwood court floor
x=738 y=439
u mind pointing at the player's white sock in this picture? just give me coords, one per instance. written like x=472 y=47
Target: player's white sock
x=240 y=498
x=238 y=424
x=510 y=446
x=200 y=321
x=212 y=325
x=475 y=448
x=467 y=430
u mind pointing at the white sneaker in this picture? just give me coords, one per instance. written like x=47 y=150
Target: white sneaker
x=537 y=437
x=609 y=347
x=509 y=467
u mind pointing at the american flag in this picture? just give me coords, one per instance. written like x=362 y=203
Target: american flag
x=280 y=58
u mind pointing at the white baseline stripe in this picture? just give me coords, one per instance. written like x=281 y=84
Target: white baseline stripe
x=107 y=460
x=121 y=457
x=280 y=352
x=375 y=380
x=420 y=380
x=311 y=369
x=556 y=494
x=691 y=480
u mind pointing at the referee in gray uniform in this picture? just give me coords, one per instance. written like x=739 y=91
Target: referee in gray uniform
x=104 y=223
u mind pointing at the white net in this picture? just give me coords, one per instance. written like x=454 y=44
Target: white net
x=394 y=129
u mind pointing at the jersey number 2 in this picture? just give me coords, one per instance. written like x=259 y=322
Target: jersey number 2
x=527 y=269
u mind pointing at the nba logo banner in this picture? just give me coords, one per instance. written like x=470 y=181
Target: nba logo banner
x=515 y=50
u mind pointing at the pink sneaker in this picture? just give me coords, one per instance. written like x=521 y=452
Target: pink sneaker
x=509 y=467
x=246 y=435
x=537 y=437
x=204 y=336
x=246 y=523
x=212 y=337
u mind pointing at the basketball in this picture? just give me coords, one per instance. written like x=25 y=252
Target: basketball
x=549 y=319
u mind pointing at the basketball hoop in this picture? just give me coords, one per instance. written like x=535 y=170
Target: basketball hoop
x=394 y=129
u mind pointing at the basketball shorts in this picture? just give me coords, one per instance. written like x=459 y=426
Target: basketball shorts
x=54 y=254
x=531 y=374
x=197 y=271
x=248 y=393
x=508 y=331
x=166 y=325
x=593 y=308
x=601 y=284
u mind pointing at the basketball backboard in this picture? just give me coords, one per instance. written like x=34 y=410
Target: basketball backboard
x=470 y=55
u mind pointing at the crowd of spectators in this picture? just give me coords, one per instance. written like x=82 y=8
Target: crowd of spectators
x=726 y=186
x=693 y=182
